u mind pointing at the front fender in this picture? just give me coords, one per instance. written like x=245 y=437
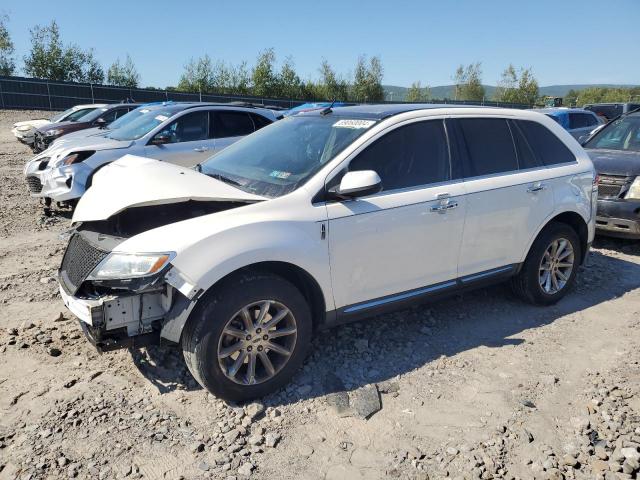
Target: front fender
x=299 y=243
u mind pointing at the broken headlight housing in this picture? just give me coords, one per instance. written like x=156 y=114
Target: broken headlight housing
x=77 y=157
x=634 y=190
x=119 y=266
x=53 y=132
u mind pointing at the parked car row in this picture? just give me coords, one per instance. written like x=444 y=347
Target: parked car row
x=181 y=133
x=25 y=131
x=236 y=234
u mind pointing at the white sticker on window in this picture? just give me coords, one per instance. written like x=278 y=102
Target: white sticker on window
x=161 y=118
x=353 y=123
x=144 y=110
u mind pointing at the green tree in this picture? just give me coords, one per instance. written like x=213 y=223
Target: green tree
x=263 y=75
x=197 y=76
x=416 y=93
x=468 y=82
x=289 y=83
x=49 y=58
x=517 y=86
x=7 y=62
x=331 y=85
x=123 y=75
x=367 y=81
x=240 y=79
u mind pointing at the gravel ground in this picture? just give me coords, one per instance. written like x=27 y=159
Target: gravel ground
x=476 y=386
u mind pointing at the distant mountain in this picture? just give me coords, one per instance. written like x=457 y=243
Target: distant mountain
x=394 y=92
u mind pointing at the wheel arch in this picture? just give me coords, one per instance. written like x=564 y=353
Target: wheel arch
x=296 y=275
x=576 y=221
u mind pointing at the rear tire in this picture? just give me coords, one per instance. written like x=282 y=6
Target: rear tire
x=550 y=269
x=248 y=337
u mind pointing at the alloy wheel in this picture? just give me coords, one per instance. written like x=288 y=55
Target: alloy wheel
x=257 y=342
x=556 y=266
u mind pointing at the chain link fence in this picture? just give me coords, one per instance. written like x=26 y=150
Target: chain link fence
x=36 y=94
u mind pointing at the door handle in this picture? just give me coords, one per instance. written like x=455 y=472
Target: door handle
x=444 y=206
x=536 y=187
x=201 y=149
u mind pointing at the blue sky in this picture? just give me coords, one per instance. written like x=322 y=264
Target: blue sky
x=564 y=41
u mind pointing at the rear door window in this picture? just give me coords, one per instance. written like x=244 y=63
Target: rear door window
x=489 y=147
x=548 y=148
x=231 y=124
x=411 y=155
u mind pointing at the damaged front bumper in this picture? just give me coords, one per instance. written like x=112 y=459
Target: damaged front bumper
x=120 y=321
x=135 y=319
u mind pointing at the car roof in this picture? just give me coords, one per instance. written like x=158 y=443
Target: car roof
x=380 y=111
x=562 y=110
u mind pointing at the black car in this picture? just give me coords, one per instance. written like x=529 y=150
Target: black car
x=99 y=117
x=615 y=152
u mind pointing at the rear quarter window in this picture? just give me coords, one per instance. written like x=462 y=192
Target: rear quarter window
x=548 y=148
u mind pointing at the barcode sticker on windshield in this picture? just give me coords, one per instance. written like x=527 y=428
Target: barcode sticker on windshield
x=161 y=118
x=353 y=123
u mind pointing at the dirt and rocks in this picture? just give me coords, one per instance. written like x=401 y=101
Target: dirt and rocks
x=478 y=386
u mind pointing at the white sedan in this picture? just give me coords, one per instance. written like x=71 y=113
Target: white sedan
x=24 y=131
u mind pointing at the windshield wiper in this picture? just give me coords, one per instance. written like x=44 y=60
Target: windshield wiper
x=224 y=179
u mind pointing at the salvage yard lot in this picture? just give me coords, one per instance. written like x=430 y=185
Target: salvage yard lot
x=476 y=386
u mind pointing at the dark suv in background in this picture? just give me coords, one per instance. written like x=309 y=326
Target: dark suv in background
x=611 y=110
x=100 y=117
x=615 y=152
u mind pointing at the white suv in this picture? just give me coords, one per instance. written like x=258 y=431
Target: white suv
x=321 y=218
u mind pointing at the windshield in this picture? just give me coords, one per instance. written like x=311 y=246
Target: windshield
x=91 y=115
x=279 y=158
x=140 y=126
x=71 y=115
x=56 y=118
x=622 y=134
x=127 y=118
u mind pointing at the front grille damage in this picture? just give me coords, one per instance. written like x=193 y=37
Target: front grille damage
x=613 y=186
x=78 y=262
x=34 y=185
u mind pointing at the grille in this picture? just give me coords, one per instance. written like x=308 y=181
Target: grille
x=34 y=184
x=610 y=186
x=79 y=260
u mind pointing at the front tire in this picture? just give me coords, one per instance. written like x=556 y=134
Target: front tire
x=550 y=269
x=248 y=337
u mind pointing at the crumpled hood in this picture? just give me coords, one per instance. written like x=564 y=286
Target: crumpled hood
x=134 y=181
x=31 y=123
x=615 y=162
x=75 y=136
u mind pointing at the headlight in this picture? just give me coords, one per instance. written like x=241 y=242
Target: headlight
x=634 y=191
x=126 y=265
x=76 y=157
x=53 y=132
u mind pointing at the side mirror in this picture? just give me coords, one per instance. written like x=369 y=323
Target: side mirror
x=160 y=139
x=358 y=184
x=101 y=123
